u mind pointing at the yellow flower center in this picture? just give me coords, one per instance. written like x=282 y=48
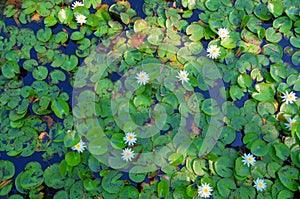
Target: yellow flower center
x=183 y=75
x=205 y=190
x=291 y=96
x=292 y=123
x=127 y=154
x=249 y=159
x=77 y=146
x=260 y=184
x=142 y=76
x=214 y=51
x=130 y=137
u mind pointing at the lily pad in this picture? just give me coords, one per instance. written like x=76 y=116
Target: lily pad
x=259 y=148
x=111 y=182
x=10 y=69
x=265 y=92
x=53 y=178
x=262 y=12
x=272 y=36
x=288 y=176
x=44 y=35
x=225 y=185
x=60 y=108
x=73 y=158
x=296 y=58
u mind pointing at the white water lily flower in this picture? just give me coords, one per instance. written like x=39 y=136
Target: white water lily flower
x=289 y=97
x=81 y=19
x=248 y=159
x=204 y=190
x=142 y=78
x=76 y=4
x=290 y=124
x=183 y=76
x=130 y=138
x=223 y=33
x=62 y=14
x=213 y=52
x=80 y=146
x=127 y=154
x=191 y=2
x=260 y=184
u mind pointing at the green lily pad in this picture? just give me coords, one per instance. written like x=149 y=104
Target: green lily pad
x=163 y=189
x=196 y=31
x=274 y=51
x=117 y=141
x=236 y=92
x=57 y=76
x=259 y=148
x=7 y=169
x=50 y=21
x=40 y=73
x=135 y=174
x=244 y=80
x=223 y=167
x=210 y=107
x=129 y=192
x=53 y=178
x=265 y=92
x=10 y=69
x=61 y=195
x=76 y=190
x=241 y=170
x=278 y=71
x=282 y=151
x=272 y=169
x=272 y=36
x=212 y=5
x=262 y=12
x=284 y=24
x=98 y=146
x=288 y=176
x=111 y=182
x=91 y=185
x=199 y=166
x=295 y=41
x=61 y=37
x=77 y=36
x=60 y=108
x=276 y=7
x=44 y=35
x=30 y=178
x=73 y=158
x=70 y=63
x=228 y=43
x=175 y=159
x=296 y=58
x=225 y=186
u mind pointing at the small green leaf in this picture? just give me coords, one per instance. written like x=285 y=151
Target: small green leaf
x=50 y=21
x=275 y=7
x=77 y=36
x=60 y=108
x=10 y=69
x=288 y=176
x=259 y=148
x=163 y=189
x=228 y=43
x=73 y=158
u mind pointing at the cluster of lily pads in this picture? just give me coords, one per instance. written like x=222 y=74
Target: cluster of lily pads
x=152 y=106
